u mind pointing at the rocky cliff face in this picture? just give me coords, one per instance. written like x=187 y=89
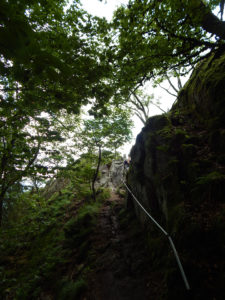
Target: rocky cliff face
x=178 y=174
x=111 y=175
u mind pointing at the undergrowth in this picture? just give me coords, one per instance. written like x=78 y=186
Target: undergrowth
x=39 y=241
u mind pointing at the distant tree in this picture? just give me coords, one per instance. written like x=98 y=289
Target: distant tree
x=21 y=141
x=140 y=103
x=108 y=133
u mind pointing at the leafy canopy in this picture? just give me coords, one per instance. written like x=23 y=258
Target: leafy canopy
x=52 y=56
x=159 y=36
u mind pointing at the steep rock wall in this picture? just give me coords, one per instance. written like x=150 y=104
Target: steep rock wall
x=178 y=174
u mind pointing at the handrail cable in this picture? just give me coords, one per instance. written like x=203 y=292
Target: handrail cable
x=168 y=236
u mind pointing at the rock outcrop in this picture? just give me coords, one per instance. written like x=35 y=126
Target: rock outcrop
x=111 y=175
x=178 y=174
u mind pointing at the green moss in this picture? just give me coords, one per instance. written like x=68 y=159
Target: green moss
x=72 y=290
x=180 y=132
x=204 y=92
x=192 y=170
x=188 y=150
x=173 y=161
x=213 y=177
x=163 y=148
x=166 y=132
x=121 y=192
x=78 y=229
x=91 y=209
x=85 y=194
x=103 y=194
x=173 y=166
x=210 y=187
x=179 y=137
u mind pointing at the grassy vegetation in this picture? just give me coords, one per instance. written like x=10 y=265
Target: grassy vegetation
x=45 y=241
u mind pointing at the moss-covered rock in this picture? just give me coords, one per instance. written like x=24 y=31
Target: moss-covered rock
x=178 y=174
x=203 y=95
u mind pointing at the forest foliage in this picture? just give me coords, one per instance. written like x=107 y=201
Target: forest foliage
x=46 y=233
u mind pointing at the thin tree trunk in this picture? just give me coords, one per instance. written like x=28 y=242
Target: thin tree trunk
x=96 y=173
x=142 y=107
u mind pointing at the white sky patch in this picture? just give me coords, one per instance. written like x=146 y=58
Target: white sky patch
x=105 y=8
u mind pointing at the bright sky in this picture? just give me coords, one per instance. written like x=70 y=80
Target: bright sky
x=105 y=9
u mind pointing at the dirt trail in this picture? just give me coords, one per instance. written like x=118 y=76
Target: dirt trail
x=122 y=269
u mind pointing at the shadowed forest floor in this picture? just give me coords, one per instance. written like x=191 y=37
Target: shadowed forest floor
x=122 y=268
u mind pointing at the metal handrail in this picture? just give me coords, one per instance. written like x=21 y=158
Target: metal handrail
x=184 y=277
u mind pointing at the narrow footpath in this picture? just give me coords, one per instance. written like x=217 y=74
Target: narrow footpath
x=122 y=268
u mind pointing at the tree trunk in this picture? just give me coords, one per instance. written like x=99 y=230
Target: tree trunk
x=96 y=173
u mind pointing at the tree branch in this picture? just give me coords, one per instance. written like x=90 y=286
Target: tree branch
x=158 y=107
x=142 y=105
x=140 y=117
x=171 y=84
x=167 y=90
